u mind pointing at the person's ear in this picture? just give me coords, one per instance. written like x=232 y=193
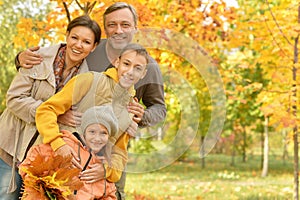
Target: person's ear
x=135 y=30
x=144 y=74
x=116 y=63
x=95 y=45
x=67 y=35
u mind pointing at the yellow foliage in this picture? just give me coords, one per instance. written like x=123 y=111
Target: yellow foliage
x=30 y=33
x=255 y=34
x=297 y=28
x=53 y=175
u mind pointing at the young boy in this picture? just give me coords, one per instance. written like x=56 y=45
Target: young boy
x=91 y=146
x=86 y=90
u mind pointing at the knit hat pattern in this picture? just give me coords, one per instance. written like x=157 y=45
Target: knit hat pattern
x=100 y=115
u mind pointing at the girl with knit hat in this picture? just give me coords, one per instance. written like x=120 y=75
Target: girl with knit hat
x=91 y=145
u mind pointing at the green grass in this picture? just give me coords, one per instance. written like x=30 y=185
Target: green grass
x=218 y=180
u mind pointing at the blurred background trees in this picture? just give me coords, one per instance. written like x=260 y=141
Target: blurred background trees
x=250 y=43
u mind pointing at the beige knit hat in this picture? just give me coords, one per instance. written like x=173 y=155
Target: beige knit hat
x=100 y=115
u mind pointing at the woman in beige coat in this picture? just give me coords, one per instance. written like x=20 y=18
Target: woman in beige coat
x=30 y=88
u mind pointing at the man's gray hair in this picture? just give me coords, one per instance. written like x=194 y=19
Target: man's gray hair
x=119 y=6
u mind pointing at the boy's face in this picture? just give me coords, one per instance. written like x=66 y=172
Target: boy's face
x=131 y=68
x=96 y=137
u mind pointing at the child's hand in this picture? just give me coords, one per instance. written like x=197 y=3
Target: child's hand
x=94 y=174
x=66 y=150
x=136 y=109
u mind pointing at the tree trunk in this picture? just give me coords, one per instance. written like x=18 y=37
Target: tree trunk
x=202 y=153
x=264 y=172
x=233 y=152
x=296 y=166
x=285 y=154
x=262 y=150
x=295 y=129
x=244 y=145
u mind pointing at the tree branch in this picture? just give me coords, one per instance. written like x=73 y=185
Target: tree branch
x=276 y=91
x=274 y=39
x=67 y=11
x=91 y=7
x=77 y=2
x=278 y=24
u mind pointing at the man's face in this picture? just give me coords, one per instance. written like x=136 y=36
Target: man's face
x=119 y=28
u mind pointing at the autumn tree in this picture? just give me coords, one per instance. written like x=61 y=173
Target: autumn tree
x=273 y=40
x=16 y=19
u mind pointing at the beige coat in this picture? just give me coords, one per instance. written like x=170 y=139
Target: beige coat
x=28 y=90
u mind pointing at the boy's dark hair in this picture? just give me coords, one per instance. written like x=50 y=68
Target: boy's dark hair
x=139 y=49
x=86 y=21
x=119 y=6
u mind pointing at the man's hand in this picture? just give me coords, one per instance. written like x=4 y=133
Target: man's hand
x=94 y=174
x=66 y=150
x=137 y=109
x=70 y=118
x=28 y=58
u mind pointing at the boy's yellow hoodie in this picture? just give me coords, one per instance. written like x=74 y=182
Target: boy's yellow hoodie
x=73 y=94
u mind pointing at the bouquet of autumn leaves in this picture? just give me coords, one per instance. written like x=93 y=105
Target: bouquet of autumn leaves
x=49 y=177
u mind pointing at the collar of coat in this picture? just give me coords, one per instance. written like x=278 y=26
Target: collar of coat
x=113 y=73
